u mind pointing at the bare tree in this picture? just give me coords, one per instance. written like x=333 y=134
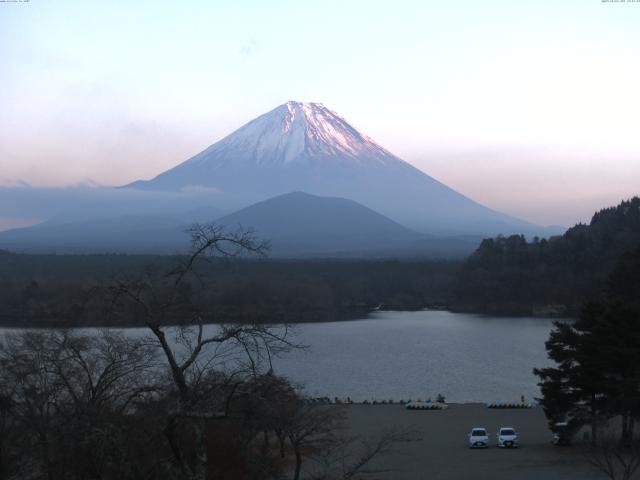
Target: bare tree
x=8 y=454
x=105 y=377
x=69 y=394
x=168 y=306
x=349 y=457
x=310 y=428
x=33 y=391
x=617 y=459
x=314 y=433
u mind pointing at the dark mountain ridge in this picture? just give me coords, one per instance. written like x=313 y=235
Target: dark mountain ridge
x=302 y=225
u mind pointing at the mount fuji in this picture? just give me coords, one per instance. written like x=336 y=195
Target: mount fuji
x=306 y=147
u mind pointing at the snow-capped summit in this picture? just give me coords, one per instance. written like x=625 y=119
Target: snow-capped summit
x=306 y=147
x=293 y=132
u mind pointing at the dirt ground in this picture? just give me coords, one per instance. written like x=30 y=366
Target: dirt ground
x=438 y=449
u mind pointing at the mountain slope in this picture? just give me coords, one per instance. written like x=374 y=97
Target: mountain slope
x=299 y=224
x=306 y=147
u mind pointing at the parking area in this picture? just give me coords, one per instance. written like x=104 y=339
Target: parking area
x=438 y=448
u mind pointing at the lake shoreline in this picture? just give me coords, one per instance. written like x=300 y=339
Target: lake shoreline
x=409 y=356
x=342 y=316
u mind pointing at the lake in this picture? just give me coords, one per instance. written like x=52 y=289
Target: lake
x=401 y=355
x=416 y=355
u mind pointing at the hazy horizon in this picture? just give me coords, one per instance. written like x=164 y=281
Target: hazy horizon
x=526 y=108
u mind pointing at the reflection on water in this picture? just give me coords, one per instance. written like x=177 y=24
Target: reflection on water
x=403 y=355
x=400 y=355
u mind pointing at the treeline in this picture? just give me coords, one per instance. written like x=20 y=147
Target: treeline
x=40 y=290
x=510 y=275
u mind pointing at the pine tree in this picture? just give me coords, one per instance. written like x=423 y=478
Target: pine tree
x=576 y=389
x=597 y=375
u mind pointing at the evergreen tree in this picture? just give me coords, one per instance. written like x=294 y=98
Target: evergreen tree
x=513 y=276
x=597 y=375
x=576 y=389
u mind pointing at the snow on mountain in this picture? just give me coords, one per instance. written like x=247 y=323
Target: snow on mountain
x=306 y=147
x=293 y=132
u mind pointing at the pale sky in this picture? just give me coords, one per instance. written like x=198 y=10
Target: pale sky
x=530 y=106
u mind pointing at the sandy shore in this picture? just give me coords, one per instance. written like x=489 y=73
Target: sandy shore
x=438 y=449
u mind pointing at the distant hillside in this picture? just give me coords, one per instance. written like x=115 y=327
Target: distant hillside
x=129 y=233
x=302 y=225
x=298 y=225
x=511 y=275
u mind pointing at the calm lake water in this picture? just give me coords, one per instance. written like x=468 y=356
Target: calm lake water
x=401 y=355
x=411 y=355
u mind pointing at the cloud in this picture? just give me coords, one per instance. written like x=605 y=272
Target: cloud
x=249 y=48
x=11 y=223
